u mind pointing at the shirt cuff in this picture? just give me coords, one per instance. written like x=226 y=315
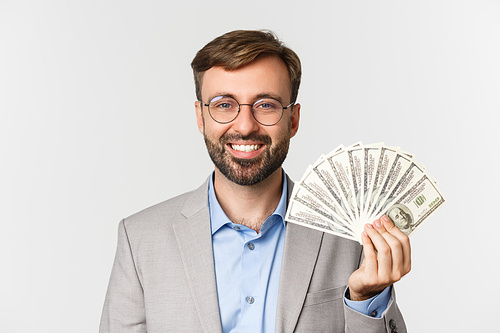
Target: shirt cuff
x=373 y=307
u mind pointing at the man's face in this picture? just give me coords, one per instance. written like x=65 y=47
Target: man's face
x=399 y=218
x=244 y=151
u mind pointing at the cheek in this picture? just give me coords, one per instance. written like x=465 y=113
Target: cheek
x=214 y=131
x=280 y=133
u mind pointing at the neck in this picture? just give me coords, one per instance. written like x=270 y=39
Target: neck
x=249 y=205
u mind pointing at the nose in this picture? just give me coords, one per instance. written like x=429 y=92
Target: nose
x=245 y=123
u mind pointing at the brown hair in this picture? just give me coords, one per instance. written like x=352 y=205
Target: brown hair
x=238 y=48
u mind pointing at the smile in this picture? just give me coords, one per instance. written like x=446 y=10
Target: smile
x=246 y=148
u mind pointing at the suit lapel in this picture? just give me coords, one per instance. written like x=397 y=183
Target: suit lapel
x=299 y=258
x=194 y=239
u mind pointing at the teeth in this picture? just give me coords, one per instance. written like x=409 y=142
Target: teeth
x=245 y=148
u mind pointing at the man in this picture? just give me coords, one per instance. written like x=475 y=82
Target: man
x=221 y=258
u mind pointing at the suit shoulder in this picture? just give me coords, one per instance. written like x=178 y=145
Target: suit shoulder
x=170 y=210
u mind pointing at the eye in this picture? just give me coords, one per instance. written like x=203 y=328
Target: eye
x=267 y=105
x=222 y=103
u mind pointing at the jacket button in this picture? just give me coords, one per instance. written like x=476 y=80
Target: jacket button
x=392 y=324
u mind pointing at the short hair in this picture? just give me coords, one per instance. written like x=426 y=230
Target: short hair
x=238 y=48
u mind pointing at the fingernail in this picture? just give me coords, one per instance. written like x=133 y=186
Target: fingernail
x=364 y=233
x=385 y=218
x=378 y=224
x=368 y=225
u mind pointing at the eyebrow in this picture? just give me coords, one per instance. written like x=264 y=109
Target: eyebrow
x=278 y=98
x=257 y=97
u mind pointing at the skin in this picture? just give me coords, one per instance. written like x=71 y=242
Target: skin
x=387 y=259
x=387 y=249
x=249 y=205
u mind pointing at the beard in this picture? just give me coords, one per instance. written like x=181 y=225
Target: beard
x=244 y=171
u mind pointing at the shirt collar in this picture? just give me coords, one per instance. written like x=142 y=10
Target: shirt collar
x=218 y=218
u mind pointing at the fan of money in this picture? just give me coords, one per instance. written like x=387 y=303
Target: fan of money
x=355 y=185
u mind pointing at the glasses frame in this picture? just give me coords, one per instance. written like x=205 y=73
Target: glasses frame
x=283 y=108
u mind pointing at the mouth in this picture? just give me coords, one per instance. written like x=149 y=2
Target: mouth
x=245 y=148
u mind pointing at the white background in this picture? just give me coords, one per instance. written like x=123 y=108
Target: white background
x=97 y=122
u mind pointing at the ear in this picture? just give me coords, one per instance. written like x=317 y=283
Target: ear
x=295 y=120
x=199 y=116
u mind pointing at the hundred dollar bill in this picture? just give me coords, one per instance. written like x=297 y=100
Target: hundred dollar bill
x=385 y=160
x=339 y=168
x=302 y=195
x=407 y=179
x=400 y=166
x=415 y=205
x=370 y=160
x=312 y=181
x=299 y=214
x=354 y=185
x=355 y=158
x=329 y=178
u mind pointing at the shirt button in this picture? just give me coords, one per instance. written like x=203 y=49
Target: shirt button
x=374 y=313
x=251 y=246
x=250 y=300
x=236 y=228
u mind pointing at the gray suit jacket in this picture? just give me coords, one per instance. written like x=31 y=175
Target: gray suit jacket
x=163 y=276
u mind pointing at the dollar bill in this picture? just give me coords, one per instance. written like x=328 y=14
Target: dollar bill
x=313 y=182
x=385 y=161
x=302 y=195
x=398 y=169
x=339 y=168
x=410 y=175
x=354 y=185
x=370 y=160
x=415 y=205
x=329 y=179
x=355 y=159
x=303 y=215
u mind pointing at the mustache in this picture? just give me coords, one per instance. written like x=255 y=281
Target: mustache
x=228 y=137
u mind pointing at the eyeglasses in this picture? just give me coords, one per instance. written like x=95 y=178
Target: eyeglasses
x=266 y=111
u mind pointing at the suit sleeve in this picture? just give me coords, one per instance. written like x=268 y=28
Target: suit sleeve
x=124 y=310
x=391 y=321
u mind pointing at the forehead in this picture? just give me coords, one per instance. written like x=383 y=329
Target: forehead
x=267 y=75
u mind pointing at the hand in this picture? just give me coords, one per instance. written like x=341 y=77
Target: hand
x=387 y=259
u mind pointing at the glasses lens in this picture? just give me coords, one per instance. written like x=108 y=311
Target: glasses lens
x=223 y=109
x=267 y=111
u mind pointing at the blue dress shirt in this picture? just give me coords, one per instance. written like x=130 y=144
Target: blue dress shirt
x=247 y=270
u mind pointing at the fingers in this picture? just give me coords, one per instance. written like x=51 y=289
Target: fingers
x=389 y=253
x=403 y=239
x=392 y=248
x=387 y=259
x=370 y=253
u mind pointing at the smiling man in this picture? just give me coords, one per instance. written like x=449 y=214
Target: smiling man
x=222 y=258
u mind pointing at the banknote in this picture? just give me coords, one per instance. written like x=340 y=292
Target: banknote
x=414 y=205
x=325 y=191
x=305 y=197
x=303 y=215
x=354 y=185
x=370 y=160
x=329 y=178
